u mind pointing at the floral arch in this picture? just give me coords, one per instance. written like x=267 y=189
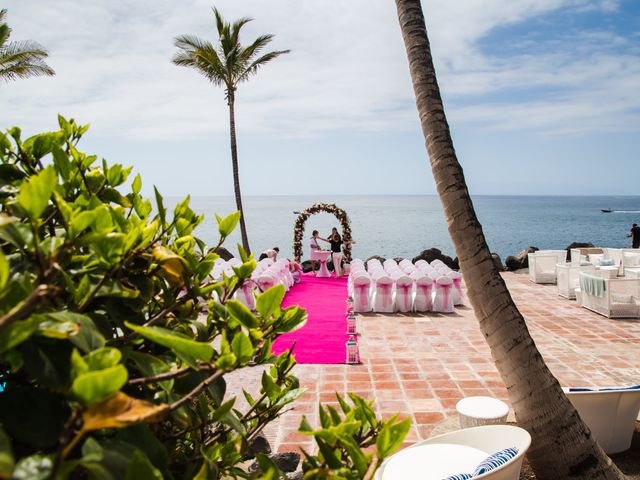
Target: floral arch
x=298 y=227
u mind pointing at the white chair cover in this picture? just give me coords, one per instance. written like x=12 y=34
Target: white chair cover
x=424 y=294
x=404 y=294
x=456 y=278
x=383 y=296
x=362 y=293
x=443 y=298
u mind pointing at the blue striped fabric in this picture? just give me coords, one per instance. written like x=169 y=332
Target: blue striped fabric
x=459 y=476
x=496 y=460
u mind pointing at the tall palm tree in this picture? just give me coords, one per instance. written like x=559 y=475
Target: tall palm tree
x=562 y=446
x=227 y=64
x=20 y=59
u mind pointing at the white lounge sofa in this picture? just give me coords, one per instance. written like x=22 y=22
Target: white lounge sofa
x=568 y=277
x=620 y=298
x=458 y=452
x=542 y=265
x=610 y=414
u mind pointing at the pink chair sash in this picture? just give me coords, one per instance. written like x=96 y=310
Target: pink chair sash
x=384 y=290
x=425 y=290
x=405 y=289
x=362 y=295
x=445 y=291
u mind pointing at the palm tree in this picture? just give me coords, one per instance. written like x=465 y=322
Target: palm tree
x=20 y=59
x=562 y=446
x=227 y=64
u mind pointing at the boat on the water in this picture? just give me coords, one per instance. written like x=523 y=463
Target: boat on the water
x=295 y=212
x=606 y=210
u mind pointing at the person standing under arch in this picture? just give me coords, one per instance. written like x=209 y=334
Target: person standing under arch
x=315 y=246
x=336 y=242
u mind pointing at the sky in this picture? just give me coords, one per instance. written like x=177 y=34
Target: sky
x=542 y=96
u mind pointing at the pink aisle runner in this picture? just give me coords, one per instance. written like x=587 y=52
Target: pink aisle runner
x=323 y=338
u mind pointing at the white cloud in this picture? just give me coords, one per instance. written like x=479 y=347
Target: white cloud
x=347 y=70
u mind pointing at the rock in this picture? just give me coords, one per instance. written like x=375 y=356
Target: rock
x=306 y=266
x=287 y=461
x=382 y=259
x=432 y=254
x=497 y=261
x=520 y=261
x=294 y=476
x=225 y=254
x=578 y=245
x=260 y=444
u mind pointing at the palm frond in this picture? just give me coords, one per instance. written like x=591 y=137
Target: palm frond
x=24 y=69
x=191 y=42
x=3 y=15
x=254 y=66
x=17 y=51
x=201 y=55
x=258 y=44
x=236 y=27
x=220 y=24
x=5 y=33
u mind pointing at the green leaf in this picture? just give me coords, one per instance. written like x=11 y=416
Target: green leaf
x=227 y=224
x=95 y=386
x=34 y=194
x=104 y=358
x=18 y=332
x=140 y=468
x=6 y=455
x=162 y=212
x=222 y=410
x=269 y=386
x=136 y=186
x=241 y=346
x=268 y=303
x=190 y=349
x=241 y=313
x=82 y=221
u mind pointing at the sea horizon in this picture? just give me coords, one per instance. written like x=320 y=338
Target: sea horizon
x=403 y=225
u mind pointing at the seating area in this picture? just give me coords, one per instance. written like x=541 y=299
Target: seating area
x=610 y=414
x=488 y=452
x=404 y=287
x=266 y=275
x=542 y=265
x=604 y=280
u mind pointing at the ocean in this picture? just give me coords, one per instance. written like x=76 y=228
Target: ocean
x=404 y=225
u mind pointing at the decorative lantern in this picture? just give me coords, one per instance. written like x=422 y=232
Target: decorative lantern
x=353 y=354
x=351 y=325
x=349 y=305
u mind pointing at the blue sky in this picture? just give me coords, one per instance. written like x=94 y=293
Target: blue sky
x=542 y=95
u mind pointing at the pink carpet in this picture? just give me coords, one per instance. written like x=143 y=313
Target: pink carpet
x=323 y=338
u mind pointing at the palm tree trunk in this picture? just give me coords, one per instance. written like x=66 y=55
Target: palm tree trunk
x=234 y=162
x=562 y=446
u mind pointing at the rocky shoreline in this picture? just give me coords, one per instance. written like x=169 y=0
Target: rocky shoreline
x=512 y=263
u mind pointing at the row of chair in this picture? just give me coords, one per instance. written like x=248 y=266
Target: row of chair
x=266 y=275
x=404 y=287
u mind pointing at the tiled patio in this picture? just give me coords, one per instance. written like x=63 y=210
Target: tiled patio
x=421 y=365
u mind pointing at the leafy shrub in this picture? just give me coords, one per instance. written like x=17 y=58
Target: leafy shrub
x=115 y=339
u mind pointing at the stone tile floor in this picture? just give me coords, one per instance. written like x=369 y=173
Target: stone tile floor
x=420 y=365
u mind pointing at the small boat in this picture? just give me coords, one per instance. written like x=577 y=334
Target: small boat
x=606 y=210
x=296 y=212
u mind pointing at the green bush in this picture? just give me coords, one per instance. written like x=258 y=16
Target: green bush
x=115 y=340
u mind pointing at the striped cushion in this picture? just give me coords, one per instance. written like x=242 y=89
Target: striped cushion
x=495 y=460
x=459 y=476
